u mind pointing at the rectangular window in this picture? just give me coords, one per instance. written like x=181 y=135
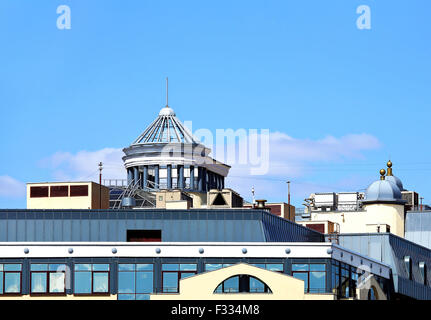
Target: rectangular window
x=59 y=191
x=91 y=279
x=313 y=275
x=39 y=192
x=79 y=191
x=278 y=267
x=48 y=278
x=10 y=278
x=135 y=281
x=144 y=235
x=173 y=273
x=216 y=266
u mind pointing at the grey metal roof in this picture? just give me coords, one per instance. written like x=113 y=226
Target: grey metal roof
x=383 y=191
x=167 y=128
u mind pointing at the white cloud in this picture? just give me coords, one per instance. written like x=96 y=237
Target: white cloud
x=11 y=188
x=289 y=158
x=83 y=165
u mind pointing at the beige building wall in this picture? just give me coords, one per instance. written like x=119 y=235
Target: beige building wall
x=202 y=286
x=367 y=221
x=91 y=201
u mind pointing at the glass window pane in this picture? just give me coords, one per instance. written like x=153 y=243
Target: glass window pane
x=185 y=275
x=126 y=297
x=82 y=267
x=144 y=267
x=299 y=267
x=100 y=282
x=1 y=282
x=259 y=265
x=144 y=282
x=12 y=282
x=126 y=267
x=317 y=281
x=231 y=285
x=142 y=297
x=82 y=282
x=100 y=267
x=212 y=266
x=170 y=282
x=38 y=282
x=39 y=267
x=188 y=267
x=317 y=267
x=126 y=282
x=256 y=285
x=1 y=267
x=12 y=267
x=275 y=267
x=170 y=267
x=302 y=276
x=57 y=267
x=56 y=282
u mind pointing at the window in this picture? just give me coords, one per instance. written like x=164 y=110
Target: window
x=59 y=191
x=144 y=235
x=243 y=283
x=135 y=281
x=10 y=278
x=173 y=273
x=48 y=278
x=216 y=266
x=91 y=278
x=79 y=191
x=39 y=192
x=423 y=270
x=278 y=267
x=313 y=275
x=408 y=264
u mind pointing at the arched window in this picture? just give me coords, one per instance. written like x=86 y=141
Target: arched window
x=242 y=283
x=372 y=294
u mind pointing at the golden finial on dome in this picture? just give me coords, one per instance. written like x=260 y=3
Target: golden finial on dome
x=389 y=164
x=382 y=174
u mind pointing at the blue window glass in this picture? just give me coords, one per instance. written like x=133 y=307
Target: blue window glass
x=142 y=297
x=259 y=265
x=256 y=285
x=231 y=285
x=57 y=267
x=170 y=267
x=1 y=282
x=39 y=267
x=1 y=267
x=12 y=282
x=83 y=282
x=302 y=276
x=317 y=267
x=212 y=266
x=188 y=267
x=126 y=297
x=300 y=267
x=126 y=267
x=126 y=282
x=275 y=267
x=185 y=275
x=170 y=282
x=100 y=282
x=317 y=281
x=82 y=267
x=57 y=282
x=38 y=282
x=100 y=267
x=12 y=267
x=144 y=267
x=144 y=282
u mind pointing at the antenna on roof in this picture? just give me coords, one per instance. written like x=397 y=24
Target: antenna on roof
x=167 y=92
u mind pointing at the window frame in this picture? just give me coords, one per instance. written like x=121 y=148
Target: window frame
x=92 y=272
x=4 y=293
x=136 y=272
x=48 y=278
x=179 y=272
x=308 y=272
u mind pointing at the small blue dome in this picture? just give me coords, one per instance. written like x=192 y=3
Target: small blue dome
x=383 y=191
x=395 y=180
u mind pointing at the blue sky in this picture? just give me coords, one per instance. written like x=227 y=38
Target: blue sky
x=299 y=68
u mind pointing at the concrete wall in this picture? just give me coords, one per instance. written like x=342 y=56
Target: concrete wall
x=92 y=201
x=367 y=221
